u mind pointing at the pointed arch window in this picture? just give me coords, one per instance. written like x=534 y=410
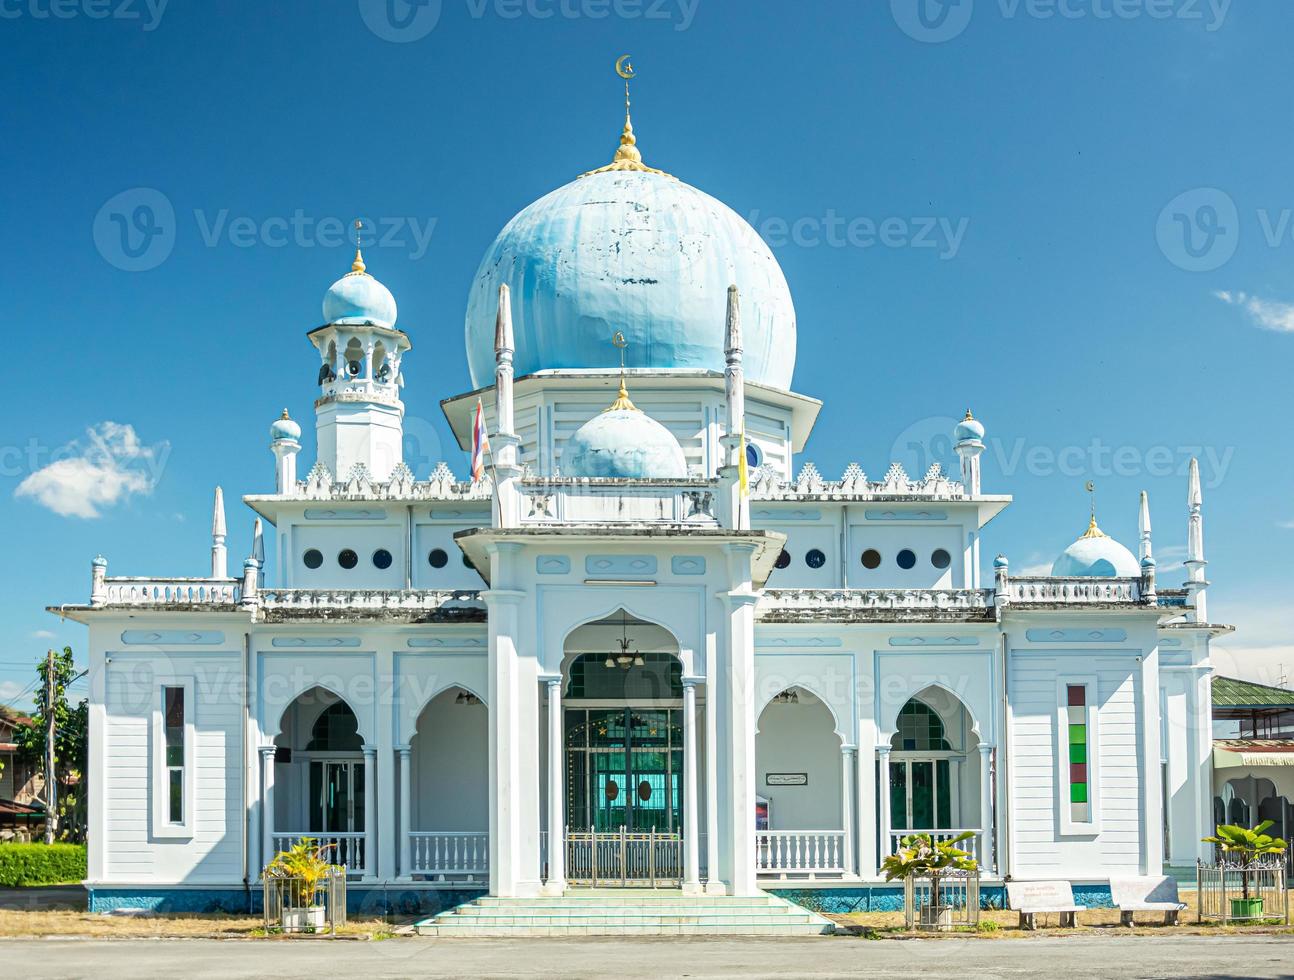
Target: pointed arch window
x=920 y=729
x=336 y=730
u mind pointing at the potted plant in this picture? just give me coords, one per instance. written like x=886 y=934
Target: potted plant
x=304 y=870
x=1249 y=847
x=921 y=856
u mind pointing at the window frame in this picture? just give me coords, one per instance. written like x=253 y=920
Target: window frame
x=163 y=826
x=1068 y=825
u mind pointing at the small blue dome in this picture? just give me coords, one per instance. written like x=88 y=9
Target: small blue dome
x=358 y=298
x=969 y=429
x=635 y=252
x=285 y=428
x=624 y=443
x=1095 y=555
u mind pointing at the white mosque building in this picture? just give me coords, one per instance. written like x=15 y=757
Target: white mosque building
x=650 y=645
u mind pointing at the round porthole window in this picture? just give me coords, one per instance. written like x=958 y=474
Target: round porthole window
x=313 y=558
x=815 y=558
x=906 y=558
x=754 y=456
x=871 y=559
x=437 y=558
x=382 y=558
x=347 y=558
x=941 y=558
x=783 y=560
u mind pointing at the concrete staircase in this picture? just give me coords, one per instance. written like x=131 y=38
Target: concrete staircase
x=626 y=912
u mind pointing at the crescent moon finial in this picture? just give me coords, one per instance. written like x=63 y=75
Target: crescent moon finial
x=623 y=68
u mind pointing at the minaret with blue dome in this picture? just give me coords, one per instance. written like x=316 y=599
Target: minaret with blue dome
x=359 y=414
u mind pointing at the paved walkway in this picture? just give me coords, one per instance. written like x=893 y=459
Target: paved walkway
x=1115 y=958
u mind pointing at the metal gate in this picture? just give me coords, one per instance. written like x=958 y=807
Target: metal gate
x=624 y=859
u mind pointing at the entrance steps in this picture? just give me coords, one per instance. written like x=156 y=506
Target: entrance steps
x=626 y=912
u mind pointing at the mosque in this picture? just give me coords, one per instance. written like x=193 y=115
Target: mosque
x=645 y=644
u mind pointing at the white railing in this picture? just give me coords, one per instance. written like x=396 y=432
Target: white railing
x=1073 y=590
x=972 y=845
x=395 y=599
x=346 y=849
x=615 y=501
x=800 y=853
x=444 y=855
x=863 y=600
x=172 y=591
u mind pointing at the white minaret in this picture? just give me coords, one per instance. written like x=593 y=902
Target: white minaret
x=1195 y=582
x=219 y=557
x=505 y=443
x=359 y=418
x=285 y=443
x=1147 y=552
x=969 y=443
x=734 y=378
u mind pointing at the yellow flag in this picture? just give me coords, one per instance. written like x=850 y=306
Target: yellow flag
x=743 y=471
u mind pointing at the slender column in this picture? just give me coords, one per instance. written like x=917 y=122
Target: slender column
x=986 y=855
x=691 y=816
x=267 y=805
x=847 y=754
x=406 y=809
x=883 y=757
x=713 y=884
x=370 y=810
x=556 y=883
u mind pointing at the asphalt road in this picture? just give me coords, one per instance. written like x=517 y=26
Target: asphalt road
x=1054 y=958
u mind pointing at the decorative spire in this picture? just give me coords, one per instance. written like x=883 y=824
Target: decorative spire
x=622 y=402
x=218 y=514
x=503 y=322
x=628 y=156
x=732 y=325
x=969 y=417
x=1143 y=521
x=219 y=557
x=357 y=267
x=285 y=415
x=1092 y=530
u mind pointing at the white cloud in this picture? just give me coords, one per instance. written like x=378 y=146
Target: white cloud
x=109 y=466
x=42 y=635
x=1267 y=313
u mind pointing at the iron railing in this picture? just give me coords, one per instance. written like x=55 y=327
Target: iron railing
x=1241 y=892
x=650 y=859
x=293 y=905
x=950 y=903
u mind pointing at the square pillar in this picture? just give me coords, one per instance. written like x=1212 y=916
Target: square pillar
x=267 y=807
x=384 y=776
x=556 y=883
x=883 y=761
x=987 y=855
x=691 y=815
x=370 y=821
x=403 y=754
x=847 y=765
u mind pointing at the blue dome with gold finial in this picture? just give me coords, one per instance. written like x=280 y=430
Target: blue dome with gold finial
x=284 y=428
x=358 y=298
x=623 y=443
x=631 y=249
x=1096 y=555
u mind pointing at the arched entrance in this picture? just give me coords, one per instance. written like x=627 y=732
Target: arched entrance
x=623 y=760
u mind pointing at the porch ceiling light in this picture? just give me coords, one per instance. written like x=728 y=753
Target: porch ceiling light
x=625 y=657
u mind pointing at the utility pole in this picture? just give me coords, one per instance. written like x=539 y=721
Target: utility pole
x=51 y=783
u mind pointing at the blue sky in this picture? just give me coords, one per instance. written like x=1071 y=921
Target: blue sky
x=1075 y=217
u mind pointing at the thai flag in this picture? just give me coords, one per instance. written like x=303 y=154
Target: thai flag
x=480 y=443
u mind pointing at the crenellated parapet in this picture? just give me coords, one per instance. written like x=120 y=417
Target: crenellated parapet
x=767 y=484
x=358 y=484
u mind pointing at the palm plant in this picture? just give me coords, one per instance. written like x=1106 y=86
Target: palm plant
x=304 y=862
x=1249 y=846
x=921 y=856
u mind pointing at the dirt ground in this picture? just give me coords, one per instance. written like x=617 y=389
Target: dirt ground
x=67 y=923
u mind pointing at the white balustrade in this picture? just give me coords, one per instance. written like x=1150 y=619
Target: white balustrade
x=973 y=845
x=345 y=849
x=862 y=600
x=1073 y=590
x=445 y=855
x=800 y=853
x=172 y=591
x=372 y=599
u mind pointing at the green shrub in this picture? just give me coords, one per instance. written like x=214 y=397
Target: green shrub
x=22 y=865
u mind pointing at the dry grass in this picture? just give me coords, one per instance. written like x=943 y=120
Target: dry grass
x=83 y=924
x=1093 y=921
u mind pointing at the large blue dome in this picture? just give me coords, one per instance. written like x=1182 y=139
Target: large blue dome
x=637 y=252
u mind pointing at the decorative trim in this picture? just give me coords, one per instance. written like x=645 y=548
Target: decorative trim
x=771 y=514
x=1076 y=636
x=687 y=565
x=552 y=565
x=315 y=641
x=315 y=514
x=173 y=638
x=905 y=515
x=620 y=566
x=933 y=641
x=790 y=641
x=435 y=642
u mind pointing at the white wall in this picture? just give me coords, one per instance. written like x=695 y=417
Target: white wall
x=800 y=738
x=451 y=766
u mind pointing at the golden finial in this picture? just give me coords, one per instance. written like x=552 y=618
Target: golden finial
x=628 y=156
x=1092 y=530
x=969 y=417
x=285 y=415
x=622 y=402
x=357 y=267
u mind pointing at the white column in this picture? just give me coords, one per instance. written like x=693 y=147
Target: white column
x=986 y=856
x=370 y=814
x=556 y=883
x=267 y=806
x=883 y=758
x=691 y=816
x=735 y=752
x=713 y=884
x=406 y=810
x=847 y=753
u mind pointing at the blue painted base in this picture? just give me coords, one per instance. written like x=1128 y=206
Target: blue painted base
x=889 y=898
x=370 y=900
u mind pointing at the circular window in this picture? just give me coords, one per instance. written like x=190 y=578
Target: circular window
x=906 y=558
x=754 y=456
x=941 y=558
x=437 y=558
x=347 y=558
x=815 y=558
x=313 y=558
x=382 y=558
x=783 y=560
x=871 y=559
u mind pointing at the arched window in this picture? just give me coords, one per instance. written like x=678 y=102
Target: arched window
x=335 y=730
x=920 y=730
